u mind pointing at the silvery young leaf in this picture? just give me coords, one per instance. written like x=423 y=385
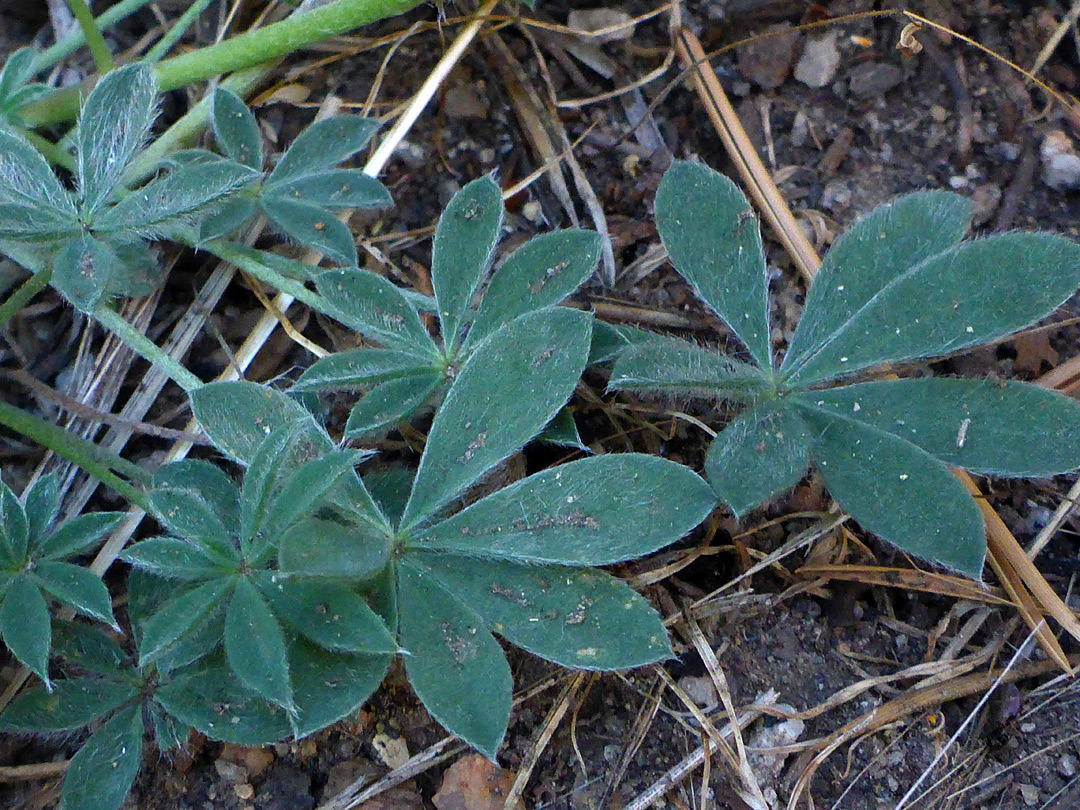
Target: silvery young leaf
x=81 y=270
x=73 y=703
x=959 y=298
x=579 y=618
x=392 y=402
x=173 y=558
x=377 y=309
x=760 y=454
x=210 y=698
x=207 y=481
x=456 y=667
x=78 y=535
x=312 y=226
x=255 y=645
x=178 y=195
x=13 y=525
x=329 y=686
x=24 y=624
x=322 y=146
x=235 y=128
x=713 y=239
x=113 y=124
x=676 y=366
x=238 y=416
x=103 y=771
x=511 y=386
x=465 y=239
x=179 y=615
x=594 y=511
x=610 y=340
x=359 y=368
x=77 y=587
x=89 y=649
x=322 y=548
x=328 y=613
x=991 y=427
x=539 y=274
x=887 y=242
x=337 y=188
x=26 y=177
x=562 y=431
x=305 y=490
x=898 y=491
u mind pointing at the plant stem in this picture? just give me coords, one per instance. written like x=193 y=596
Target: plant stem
x=27 y=290
x=72 y=42
x=146 y=348
x=179 y=28
x=227 y=252
x=96 y=42
x=88 y=456
x=243 y=51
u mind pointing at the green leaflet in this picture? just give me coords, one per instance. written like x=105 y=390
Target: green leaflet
x=953 y=300
x=311 y=225
x=329 y=686
x=877 y=249
x=594 y=511
x=179 y=615
x=322 y=146
x=238 y=416
x=539 y=274
x=758 y=455
x=76 y=535
x=76 y=587
x=88 y=648
x=185 y=514
x=392 y=402
x=898 y=491
x=103 y=771
x=358 y=368
x=986 y=426
x=81 y=270
x=322 y=548
x=175 y=558
x=377 y=309
x=113 y=124
x=26 y=178
x=713 y=239
x=72 y=704
x=210 y=483
x=666 y=364
x=454 y=664
x=562 y=431
x=25 y=627
x=539 y=357
x=235 y=128
x=576 y=617
x=338 y=188
x=465 y=239
x=14 y=528
x=255 y=645
x=304 y=491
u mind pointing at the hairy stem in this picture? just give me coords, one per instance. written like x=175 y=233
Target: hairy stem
x=72 y=42
x=179 y=28
x=94 y=40
x=145 y=348
x=226 y=252
x=95 y=460
x=27 y=290
x=243 y=51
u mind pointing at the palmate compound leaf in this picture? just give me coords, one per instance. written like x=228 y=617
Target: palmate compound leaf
x=576 y=617
x=887 y=242
x=594 y=511
x=508 y=390
x=992 y=427
x=454 y=664
x=713 y=239
x=103 y=771
x=113 y=125
x=465 y=240
x=377 y=309
x=764 y=451
x=897 y=490
x=539 y=274
x=965 y=296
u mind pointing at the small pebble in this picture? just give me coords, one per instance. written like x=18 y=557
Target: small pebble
x=1061 y=164
x=1067 y=766
x=767 y=62
x=820 y=58
x=1030 y=795
x=244 y=791
x=230 y=771
x=939 y=113
x=1027 y=728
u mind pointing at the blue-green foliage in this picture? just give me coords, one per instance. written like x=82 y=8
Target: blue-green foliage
x=900 y=285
